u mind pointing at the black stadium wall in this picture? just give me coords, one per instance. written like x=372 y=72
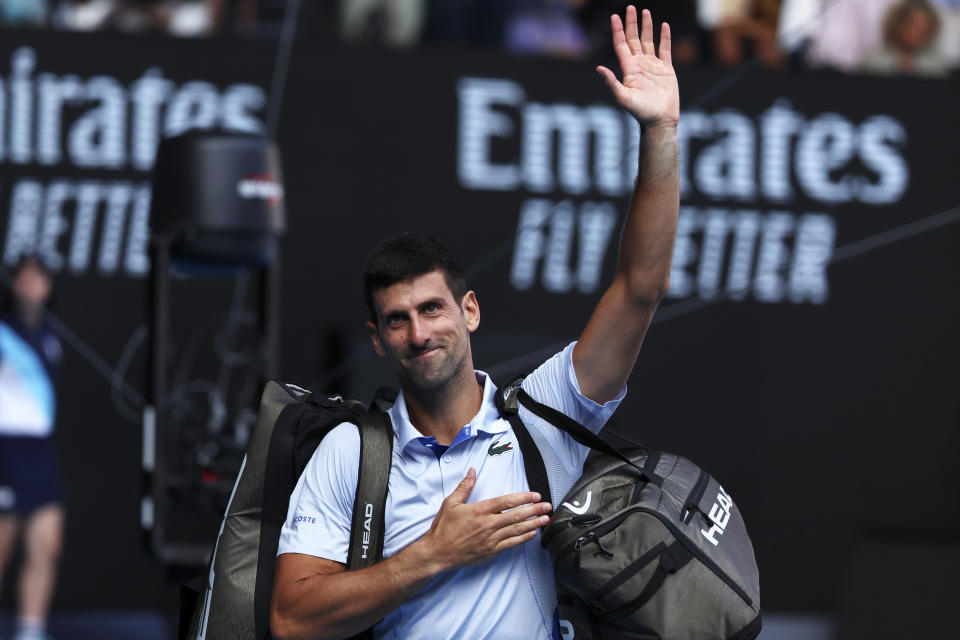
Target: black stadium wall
x=806 y=353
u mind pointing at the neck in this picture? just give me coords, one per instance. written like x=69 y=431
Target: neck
x=29 y=314
x=442 y=412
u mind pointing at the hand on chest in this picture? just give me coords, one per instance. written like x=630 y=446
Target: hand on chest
x=423 y=475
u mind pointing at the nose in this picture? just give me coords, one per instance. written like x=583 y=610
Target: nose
x=419 y=334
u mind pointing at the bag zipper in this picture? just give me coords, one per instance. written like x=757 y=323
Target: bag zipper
x=692 y=502
x=548 y=536
x=591 y=537
x=597 y=532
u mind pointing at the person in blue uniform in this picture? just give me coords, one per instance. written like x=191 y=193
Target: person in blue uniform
x=31 y=503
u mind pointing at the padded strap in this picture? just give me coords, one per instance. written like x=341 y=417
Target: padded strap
x=370 y=503
x=533 y=465
x=583 y=435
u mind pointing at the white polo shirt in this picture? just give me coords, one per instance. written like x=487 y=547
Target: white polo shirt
x=510 y=596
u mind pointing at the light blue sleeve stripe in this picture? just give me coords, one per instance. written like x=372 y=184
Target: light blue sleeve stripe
x=29 y=368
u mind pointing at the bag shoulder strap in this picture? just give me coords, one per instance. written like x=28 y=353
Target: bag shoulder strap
x=509 y=399
x=586 y=437
x=368 y=525
x=370 y=502
x=533 y=467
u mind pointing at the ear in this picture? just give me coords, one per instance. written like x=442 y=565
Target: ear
x=471 y=311
x=375 y=339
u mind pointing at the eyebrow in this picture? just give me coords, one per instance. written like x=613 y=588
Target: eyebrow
x=440 y=302
x=388 y=313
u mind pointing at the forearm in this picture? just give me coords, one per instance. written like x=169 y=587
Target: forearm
x=610 y=343
x=646 y=247
x=342 y=604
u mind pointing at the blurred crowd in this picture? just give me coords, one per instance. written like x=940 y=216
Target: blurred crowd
x=920 y=37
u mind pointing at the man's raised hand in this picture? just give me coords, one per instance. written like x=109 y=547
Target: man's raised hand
x=463 y=534
x=649 y=89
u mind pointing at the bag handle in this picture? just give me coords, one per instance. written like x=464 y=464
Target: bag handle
x=672 y=559
x=586 y=437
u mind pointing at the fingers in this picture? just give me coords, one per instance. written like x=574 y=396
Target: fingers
x=507 y=502
x=517 y=540
x=665 y=44
x=646 y=33
x=612 y=82
x=620 y=46
x=459 y=495
x=633 y=40
x=522 y=514
x=522 y=530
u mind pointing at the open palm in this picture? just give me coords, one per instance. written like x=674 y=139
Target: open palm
x=649 y=89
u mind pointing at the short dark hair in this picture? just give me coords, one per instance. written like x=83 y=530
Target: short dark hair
x=31 y=260
x=406 y=256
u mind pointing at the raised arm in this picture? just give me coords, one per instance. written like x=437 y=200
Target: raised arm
x=318 y=598
x=608 y=347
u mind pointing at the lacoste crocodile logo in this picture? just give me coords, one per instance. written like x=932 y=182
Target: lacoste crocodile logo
x=576 y=508
x=494 y=450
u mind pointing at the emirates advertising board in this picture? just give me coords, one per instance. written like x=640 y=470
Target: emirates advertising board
x=811 y=314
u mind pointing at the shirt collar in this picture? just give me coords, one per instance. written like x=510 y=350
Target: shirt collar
x=487 y=420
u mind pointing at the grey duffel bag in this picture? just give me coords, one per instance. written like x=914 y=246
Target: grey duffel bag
x=649 y=545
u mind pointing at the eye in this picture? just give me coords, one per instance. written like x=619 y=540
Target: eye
x=431 y=307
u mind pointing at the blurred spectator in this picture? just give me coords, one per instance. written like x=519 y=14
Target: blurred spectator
x=83 y=15
x=799 y=19
x=20 y=13
x=139 y=15
x=845 y=31
x=397 y=23
x=949 y=41
x=685 y=33
x=546 y=27
x=468 y=21
x=177 y=17
x=910 y=29
x=741 y=29
x=190 y=18
x=256 y=17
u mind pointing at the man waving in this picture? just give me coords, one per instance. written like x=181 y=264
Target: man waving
x=459 y=562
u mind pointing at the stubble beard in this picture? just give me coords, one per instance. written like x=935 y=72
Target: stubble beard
x=431 y=377
x=435 y=376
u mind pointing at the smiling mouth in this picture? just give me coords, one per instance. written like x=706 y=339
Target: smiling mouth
x=423 y=354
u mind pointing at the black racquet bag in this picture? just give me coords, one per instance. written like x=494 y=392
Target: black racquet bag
x=645 y=545
x=233 y=600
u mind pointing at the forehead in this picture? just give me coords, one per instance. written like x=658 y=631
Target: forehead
x=410 y=293
x=31 y=270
